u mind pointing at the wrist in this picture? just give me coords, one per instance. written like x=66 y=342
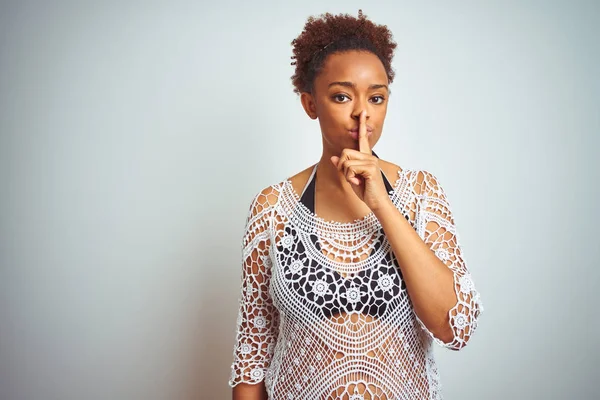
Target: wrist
x=383 y=207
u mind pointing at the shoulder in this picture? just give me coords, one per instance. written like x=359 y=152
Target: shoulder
x=299 y=180
x=423 y=181
x=264 y=200
x=426 y=182
x=259 y=212
x=390 y=169
x=268 y=196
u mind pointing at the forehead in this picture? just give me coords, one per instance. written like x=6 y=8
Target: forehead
x=360 y=67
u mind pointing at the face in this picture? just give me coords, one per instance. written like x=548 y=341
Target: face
x=349 y=83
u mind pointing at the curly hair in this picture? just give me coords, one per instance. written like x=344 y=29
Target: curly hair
x=336 y=33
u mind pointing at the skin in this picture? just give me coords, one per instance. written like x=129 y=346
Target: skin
x=350 y=185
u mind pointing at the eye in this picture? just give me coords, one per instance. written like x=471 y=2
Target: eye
x=337 y=96
x=379 y=97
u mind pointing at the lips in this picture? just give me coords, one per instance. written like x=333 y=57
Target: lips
x=354 y=133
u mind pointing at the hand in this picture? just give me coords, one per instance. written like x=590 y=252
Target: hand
x=361 y=169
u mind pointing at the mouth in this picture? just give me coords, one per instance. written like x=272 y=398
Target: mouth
x=354 y=133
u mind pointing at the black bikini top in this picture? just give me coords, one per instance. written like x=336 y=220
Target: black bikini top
x=333 y=292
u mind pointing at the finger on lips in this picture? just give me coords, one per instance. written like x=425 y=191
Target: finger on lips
x=353 y=162
x=363 y=140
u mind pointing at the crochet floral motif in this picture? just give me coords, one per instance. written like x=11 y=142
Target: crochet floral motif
x=385 y=282
x=373 y=346
x=320 y=288
x=296 y=266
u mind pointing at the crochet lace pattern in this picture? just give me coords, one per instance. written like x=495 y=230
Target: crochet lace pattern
x=283 y=336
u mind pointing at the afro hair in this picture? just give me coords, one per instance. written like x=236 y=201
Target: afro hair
x=337 y=33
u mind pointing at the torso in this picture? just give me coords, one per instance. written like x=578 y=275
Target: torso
x=346 y=328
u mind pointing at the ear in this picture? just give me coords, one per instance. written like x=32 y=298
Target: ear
x=308 y=102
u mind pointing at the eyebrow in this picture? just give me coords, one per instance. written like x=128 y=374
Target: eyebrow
x=352 y=85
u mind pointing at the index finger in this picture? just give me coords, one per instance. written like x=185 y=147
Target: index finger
x=363 y=140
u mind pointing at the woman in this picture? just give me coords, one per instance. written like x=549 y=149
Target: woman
x=352 y=267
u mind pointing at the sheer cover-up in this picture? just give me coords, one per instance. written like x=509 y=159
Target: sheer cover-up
x=323 y=310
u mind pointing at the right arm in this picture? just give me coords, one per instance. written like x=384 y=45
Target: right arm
x=258 y=320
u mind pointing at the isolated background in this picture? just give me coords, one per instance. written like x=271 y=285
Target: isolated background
x=135 y=134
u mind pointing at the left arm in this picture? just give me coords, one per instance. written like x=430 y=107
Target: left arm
x=443 y=296
x=437 y=280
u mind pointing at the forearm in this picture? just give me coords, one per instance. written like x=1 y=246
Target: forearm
x=429 y=282
x=247 y=391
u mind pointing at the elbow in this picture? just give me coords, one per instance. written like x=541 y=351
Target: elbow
x=461 y=324
x=453 y=340
x=456 y=331
x=456 y=327
x=458 y=343
x=446 y=336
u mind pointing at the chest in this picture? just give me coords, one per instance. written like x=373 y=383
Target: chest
x=339 y=209
x=335 y=275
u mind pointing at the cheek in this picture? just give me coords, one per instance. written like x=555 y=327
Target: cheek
x=333 y=115
x=380 y=120
x=375 y=138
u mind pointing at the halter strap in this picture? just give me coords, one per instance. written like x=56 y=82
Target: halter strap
x=308 y=193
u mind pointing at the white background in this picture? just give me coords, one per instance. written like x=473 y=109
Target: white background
x=134 y=136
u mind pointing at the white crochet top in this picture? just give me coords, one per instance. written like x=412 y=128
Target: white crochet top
x=323 y=310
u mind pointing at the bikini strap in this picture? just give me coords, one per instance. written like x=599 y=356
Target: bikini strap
x=308 y=193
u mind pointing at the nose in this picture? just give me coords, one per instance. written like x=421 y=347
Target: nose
x=356 y=113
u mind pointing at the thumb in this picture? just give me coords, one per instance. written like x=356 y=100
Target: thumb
x=334 y=160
